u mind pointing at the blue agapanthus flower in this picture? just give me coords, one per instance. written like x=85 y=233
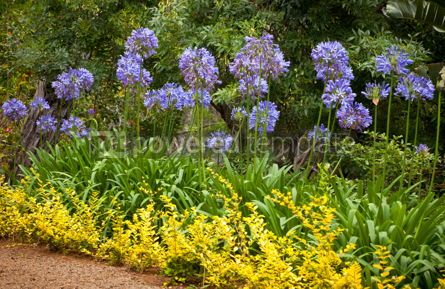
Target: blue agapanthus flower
x=338 y=91
x=170 y=95
x=184 y=99
x=202 y=96
x=395 y=60
x=143 y=42
x=354 y=116
x=69 y=85
x=260 y=57
x=219 y=141
x=238 y=113
x=74 y=126
x=198 y=67
x=331 y=61
x=131 y=72
x=319 y=133
x=376 y=91
x=40 y=103
x=46 y=123
x=264 y=116
x=14 y=109
x=422 y=149
x=412 y=87
x=253 y=86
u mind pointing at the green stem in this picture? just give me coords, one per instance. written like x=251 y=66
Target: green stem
x=388 y=117
x=333 y=121
x=164 y=127
x=248 y=143
x=138 y=127
x=388 y=122
x=402 y=179
x=255 y=141
x=329 y=118
x=417 y=121
x=329 y=129
x=201 y=142
x=436 y=148
x=257 y=114
x=408 y=116
x=375 y=141
x=255 y=138
x=237 y=139
x=125 y=113
x=171 y=126
x=311 y=153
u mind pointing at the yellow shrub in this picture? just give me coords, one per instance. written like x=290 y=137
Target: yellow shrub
x=13 y=204
x=47 y=221
x=385 y=280
x=54 y=225
x=133 y=243
x=229 y=251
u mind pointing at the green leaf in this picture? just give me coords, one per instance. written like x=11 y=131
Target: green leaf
x=432 y=12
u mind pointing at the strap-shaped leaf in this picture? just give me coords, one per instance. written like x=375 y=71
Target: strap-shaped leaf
x=432 y=12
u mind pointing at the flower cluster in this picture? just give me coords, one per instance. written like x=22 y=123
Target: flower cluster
x=139 y=46
x=354 y=116
x=331 y=61
x=69 y=85
x=219 y=141
x=422 y=149
x=14 y=109
x=40 y=103
x=46 y=123
x=260 y=57
x=202 y=96
x=238 y=113
x=376 y=91
x=338 y=91
x=319 y=133
x=74 y=126
x=259 y=60
x=142 y=42
x=170 y=95
x=264 y=116
x=252 y=86
x=130 y=70
x=395 y=60
x=198 y=67
x=413 y=87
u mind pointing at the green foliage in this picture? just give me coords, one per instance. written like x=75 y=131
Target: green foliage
x=40 y=39
x=257 y=182
x=411 y=227
x=432 y=12
x=366 y=45
x=124 y=180
x=358 y=160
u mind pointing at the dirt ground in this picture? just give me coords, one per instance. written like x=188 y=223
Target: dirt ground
x=32 y=267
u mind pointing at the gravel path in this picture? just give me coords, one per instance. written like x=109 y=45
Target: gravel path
x=32 y=267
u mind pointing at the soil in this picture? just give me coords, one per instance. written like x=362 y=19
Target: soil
x=24 y=266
